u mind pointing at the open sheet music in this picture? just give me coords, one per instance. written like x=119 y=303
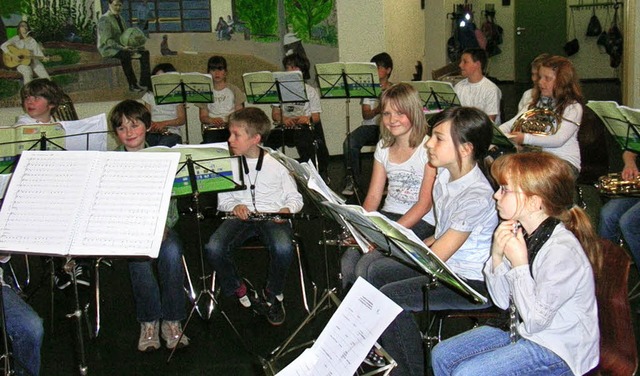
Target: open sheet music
x=168 y=87
x=348 y=80
x=348 y=336
x=88 y=203
x=274 y=87
x=621 y=121
x=435 y=95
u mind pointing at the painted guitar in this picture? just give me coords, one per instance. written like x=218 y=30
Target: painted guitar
x=21 y=56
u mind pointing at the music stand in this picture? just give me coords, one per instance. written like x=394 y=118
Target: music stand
x=183 y=88
x=621 y=121
x=435 y=95
x=346 y=81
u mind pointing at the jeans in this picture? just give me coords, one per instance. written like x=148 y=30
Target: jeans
x=620 y=217
x=24 y=328
x=162 y=297
x=488 y=351
x=232 y=233
x=405 y=286
x=364 y=135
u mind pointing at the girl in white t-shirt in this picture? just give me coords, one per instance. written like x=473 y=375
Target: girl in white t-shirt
x=166 y=119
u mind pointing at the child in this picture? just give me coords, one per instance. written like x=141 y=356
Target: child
x=40 y=98
x=528 y=95
x=557 y=89
x=400 y=158
x=309 y=138
x=368 y=133
x=24 y=41
x=476 y=90
x=166 y=119
x=226 y=99
x=541 y=264
x=160 y=298
x=270 y=190
x=465 y=220
x=620 y=217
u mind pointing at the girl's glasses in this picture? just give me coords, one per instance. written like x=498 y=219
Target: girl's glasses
x=504 y=190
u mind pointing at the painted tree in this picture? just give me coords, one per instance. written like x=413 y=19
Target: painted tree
x=305 y=14
x=8 y=8
x=261 y=17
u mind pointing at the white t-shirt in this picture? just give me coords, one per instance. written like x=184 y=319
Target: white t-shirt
x=484 y=95
x=373 y=103
x=224 y=102
x=162 y=112
x=404 y=180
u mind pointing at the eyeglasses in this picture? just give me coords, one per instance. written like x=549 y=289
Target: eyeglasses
x=504 y=190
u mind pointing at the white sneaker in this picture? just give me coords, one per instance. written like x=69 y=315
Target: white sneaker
x=149 y=339
x=172 y=332
x=348 y=189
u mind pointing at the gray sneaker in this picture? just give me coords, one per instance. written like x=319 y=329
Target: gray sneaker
x=149 y=339
x=171 y=332
x=348 y=189
x=275 y=313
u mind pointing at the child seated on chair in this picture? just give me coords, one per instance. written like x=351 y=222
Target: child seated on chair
x=226 y=99
x=160 y=298
x=270 y=189
x=167 y=120
x=40 y=99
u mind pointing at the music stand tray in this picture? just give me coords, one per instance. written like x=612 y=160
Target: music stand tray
x=621 y=121
x=435 y=95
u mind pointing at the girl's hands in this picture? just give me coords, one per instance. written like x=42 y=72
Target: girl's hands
x=508 y=241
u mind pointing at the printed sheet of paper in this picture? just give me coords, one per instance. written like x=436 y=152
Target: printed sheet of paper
x=90 y=133
x=435 y=95
x=349 y=335
x=88 y=203
x=167 y=87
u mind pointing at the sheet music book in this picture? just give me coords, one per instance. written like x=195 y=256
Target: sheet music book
x=215 y=169
x=403 y=244
x=167 y=87
x=349 y=335
x=621 y=121
x=262 y=87
x=348 y=80
x=435 y=95
x=88 y=203
x=501 y=140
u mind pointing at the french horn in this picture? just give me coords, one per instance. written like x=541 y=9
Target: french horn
x=538 y=121
x=613 y=185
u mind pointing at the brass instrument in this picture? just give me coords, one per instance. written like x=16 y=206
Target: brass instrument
x=538 y=121
x=613 y=185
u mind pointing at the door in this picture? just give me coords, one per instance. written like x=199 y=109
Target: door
x=540 y=26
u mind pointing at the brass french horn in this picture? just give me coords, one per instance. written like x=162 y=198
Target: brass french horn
x=613 y=185
x=538 y=121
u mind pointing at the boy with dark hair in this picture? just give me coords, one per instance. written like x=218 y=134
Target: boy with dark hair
x=160 y=298
x=476 y=90
x=368 y=133
x=270 y=189
x=226 y=99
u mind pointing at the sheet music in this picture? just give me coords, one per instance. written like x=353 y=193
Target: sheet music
x=78 y=137
x=88 y=203
x=349 y=335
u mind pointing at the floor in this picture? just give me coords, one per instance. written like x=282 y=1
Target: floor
x=215 y=348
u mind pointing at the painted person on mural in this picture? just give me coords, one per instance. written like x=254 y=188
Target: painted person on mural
x=25 y=54
x=111 y=26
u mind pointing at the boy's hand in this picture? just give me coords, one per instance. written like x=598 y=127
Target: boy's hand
x=242 y=212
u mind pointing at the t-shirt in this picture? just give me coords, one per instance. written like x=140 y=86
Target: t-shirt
x=484 y=95
x=295 y=109
x=225 y=102
x=162 y=112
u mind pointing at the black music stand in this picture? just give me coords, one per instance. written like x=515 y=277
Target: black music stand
x=622 y=122
x=182 y=88
x=346 y=81
x=435 y=95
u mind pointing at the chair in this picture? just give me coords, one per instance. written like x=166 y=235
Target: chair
x=477 y=317
x=618 y=351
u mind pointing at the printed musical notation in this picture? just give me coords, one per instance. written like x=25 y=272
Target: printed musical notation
x=88 y=203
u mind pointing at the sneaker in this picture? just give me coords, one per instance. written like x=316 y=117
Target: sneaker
x=252 y=300
x=61 y=279
x=149 y=339
x=348 y=189
x=172 y=334
x=275 y=312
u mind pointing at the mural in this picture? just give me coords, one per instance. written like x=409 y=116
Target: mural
x=59 y=39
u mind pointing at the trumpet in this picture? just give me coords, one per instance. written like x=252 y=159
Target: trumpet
x=613 y=185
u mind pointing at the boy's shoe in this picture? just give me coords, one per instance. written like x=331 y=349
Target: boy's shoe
x=348 y=188
x=275 y=312
x=171 y=332
x=252 y=300
x=149 y=339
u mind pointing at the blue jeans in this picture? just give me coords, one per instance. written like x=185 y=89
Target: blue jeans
x=232 y=233
x=162 y=297
x=25 y=330
x=364 y=135
x=405 y=286
x=620 y=217
x=488 y=351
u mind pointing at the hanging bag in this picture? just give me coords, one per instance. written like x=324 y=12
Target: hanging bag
x=573 y=46
x=594 y=28
x=614 y=41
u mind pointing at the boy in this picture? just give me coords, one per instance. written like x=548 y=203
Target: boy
x=226 y=99
x=162 y=297
x=476 y=90
x=368 y=133
x=309 y=138
x=40 y=98
x=270 y=190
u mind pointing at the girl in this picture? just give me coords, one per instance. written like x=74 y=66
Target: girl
x=541 y=258
x=465 y=220
x=556 y=89
x=400 y=158
x=166 y=119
